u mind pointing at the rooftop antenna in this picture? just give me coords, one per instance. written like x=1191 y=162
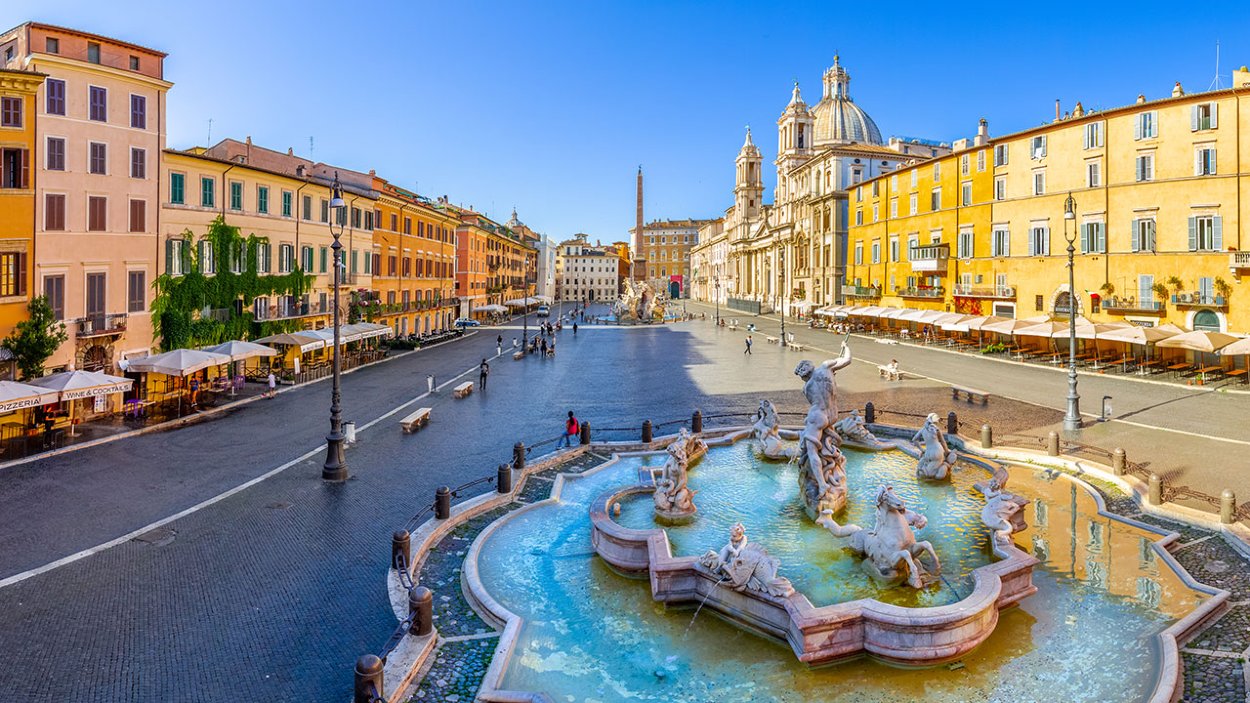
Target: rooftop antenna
x=1216 y=83
x=210 y=133
x=311 y=146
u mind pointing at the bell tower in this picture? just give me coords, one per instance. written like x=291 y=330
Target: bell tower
x=796 y=129
x=749 y=184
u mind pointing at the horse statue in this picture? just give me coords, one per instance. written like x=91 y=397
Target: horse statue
x=768 y=433
x=746 y=566
x=936 y=457
x=890 y=548
x=674 y=500
x=1002 y=513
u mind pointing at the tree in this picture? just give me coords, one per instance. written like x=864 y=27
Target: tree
x=36 y=338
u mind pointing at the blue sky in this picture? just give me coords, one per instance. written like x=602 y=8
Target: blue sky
x=551 y=107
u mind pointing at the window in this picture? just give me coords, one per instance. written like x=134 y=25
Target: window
x=1093 y=238
x=97 y=158
x=408 y=227
x=1203 y=116
x=236 y=195
x=12 y=273
x=937 y=171
x=859 y=253
x=10 y=112
x=208 y=192
x=138 y=216
x=1000 y=187
x=177 y=188
x=893 y=248
x=963 y=245
x=98 y=99
x=1093 y=174
x=963 y=165
x=54 y=103
x=138 y=112
x=1039 y=240
x=1205 y=233
x=1039 y=183
x=912 y=203
x=97 y=214
x=97 y=288
x=54 y=291
x=356 y=218
x=325 y=211
x=138 y=163
x=325 y=257
x=287 y=197
x=915 y=177
x=55 y=154
x=14 y=168
x=1037 y=147
x=1093 y=135
x=1145 y=288
x=286 y=258
x=262 y=199
x=965 y=193
x=54 y=212
x=859 y=217
x=894 y=182
x=935 y=199
x=1206 y=321
x=238 y=257
x=208 y=257
x=874 y=213
x=1146 y=126
x=1145 y=167
x=859 y=195
x=893 y=207
x=93 y=52
x=981 y=161
x=134 y=63
x=136 y=291
x=1000 y=243
x=306 y=259
x=176 y=256
x=52 y=45
x=1204 y=160
x=876 y=251
x=1000 y=154
x=1144 y=234
x=306 y=207
x=264 y=254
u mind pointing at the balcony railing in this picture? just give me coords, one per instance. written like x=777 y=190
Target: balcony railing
x=1199 y=299
x=288 y=311
x=921 y=292
x=99 y=325
x=967 y=290
x=1129 y=304
x=861 y=292
x=930 y=257
x=1239 y=260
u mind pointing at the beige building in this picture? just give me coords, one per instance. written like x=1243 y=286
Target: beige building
x=101 y=129
x=665 y=249
x=591 y=273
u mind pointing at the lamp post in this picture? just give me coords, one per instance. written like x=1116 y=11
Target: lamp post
x=716 y=285
x=781 y=291
x=335 y=468
x=1071 y=420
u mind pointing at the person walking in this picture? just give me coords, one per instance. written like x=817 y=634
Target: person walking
x=571 y=428
x=273 y=385
x=748 y=349
x=574 y=327
x=499 y=348
x=429 y=383
x=544 y=346
x=499 y=340
x=483 y=372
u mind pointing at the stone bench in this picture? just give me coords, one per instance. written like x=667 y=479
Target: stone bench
x=771 y=340
x=971 y=394
x=462 y=390
x=415 y=421
x=796 y=346
x=517 y=356
x=889 y=374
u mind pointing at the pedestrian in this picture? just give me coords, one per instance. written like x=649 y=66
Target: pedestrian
x=273 y=385
x=575 y=327
x=499 y=340
x=515 y=344
x=571 y=428
x=483 y=372
x=499 y=349
x=544 y=346
x=429 y=383
x=748 y=349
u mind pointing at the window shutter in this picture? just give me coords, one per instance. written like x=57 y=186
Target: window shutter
x=25 y=177
x=1198 y=162
x=1150 y=234
x=21 y=274
x=1134 y=240
x=1213 y=170
x=1217 y=227
x=1141 y=169
x=1032 y=242
x=1214 y=115
x=1102 y=238
x=1046 y=241
x=1193 y=118
x=1100 y=124
x=1193 y=233
x=1137 y=135
x=169 y=256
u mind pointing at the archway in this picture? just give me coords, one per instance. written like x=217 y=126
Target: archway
x=1206 y=321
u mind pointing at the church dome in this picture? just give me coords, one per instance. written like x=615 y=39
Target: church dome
x=838 y=119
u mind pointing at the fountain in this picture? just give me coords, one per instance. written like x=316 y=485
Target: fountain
x=936 y=457
x=746 y=566
x=768 y=433
x=890 y=543
x=674 y=500
x=637 y=303
x=822 y=478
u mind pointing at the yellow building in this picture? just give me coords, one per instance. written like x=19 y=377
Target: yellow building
x=414 y=261
x=1158 y=189
x=17 y=193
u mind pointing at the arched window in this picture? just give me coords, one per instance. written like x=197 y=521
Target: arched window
x=1206 y=321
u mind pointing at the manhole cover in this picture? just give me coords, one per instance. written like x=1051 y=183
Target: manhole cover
x=1217 y=566
x=159 y=537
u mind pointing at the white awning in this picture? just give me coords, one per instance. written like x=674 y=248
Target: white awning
x=15 y=396
x=72 y=385
x=303 y=340
x=178 y=362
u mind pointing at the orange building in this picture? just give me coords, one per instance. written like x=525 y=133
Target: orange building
x=17 y=193
x=494 y=265
x=414 y=261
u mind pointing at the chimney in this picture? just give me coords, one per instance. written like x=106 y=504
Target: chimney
x=290 y=151
x=1078 y=110
x=1177 y=90
x=1056 y=109
x=299 y=170
x=983 y=133
x=1141 y=98
x=373 y=173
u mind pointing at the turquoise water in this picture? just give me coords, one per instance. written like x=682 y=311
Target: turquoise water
x=593 y=636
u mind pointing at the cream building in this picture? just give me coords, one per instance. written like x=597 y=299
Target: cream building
x=665 y=248
x=590 y=273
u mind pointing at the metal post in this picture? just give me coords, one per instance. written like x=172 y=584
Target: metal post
x=585 y=432
x=442 y=503
x=646 y=431
x=518 y=456
x=870 y=413
x=696 y=422
x=952 y=423
x=1072 y=419
x=1119 y=462
x=1155 y=496
x=421 y=611
x=503 y=479
x=1052 y=444
x=401 y=545
x=335 y=468
x=368 y=684
x=1228 y=506
x=987 y=436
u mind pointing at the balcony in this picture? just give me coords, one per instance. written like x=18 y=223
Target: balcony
x=290 y=311
x=927 y=292
x=861 y=292
x=1238 y=261
x=967 y=290
x=1196 y=299
x=101 y=325
x=930 y=258
x=1129 y=305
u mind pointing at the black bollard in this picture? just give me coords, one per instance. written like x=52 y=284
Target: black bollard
x=420 y=611
x=646 y=432
x=442 y=503
x=696 y=422
x=401 y=546
x=585 y=436
x=870 y=413
x=368 y=679
x=952 y=423
x=518 y=456
x=503 y=479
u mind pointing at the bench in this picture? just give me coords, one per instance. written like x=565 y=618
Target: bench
x=416 y=420
x=796 y=346
x=771 y=340
x=462 y=390
x=889 y=374
x=517 y=356
x=971 y=394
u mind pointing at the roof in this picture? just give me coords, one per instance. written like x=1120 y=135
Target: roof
x=89 y=35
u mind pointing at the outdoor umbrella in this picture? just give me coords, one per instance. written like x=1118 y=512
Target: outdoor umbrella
x=15 y=396
x=303 y=340
x=73 y=385
x=179 y=362
x=1169 y=327
x=238 y=350
x=1199 y=341
x=1006 y=326
x=490 y=308
x=1239 y=348
x=1137 y=335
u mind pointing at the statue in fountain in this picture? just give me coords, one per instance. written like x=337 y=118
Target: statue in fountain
x=674 y=500
x=822 y=479
x=852 y=428
x=890 y=549
x=936 y=457
x=1003 y=511
x=747 y=566
x=768 y=433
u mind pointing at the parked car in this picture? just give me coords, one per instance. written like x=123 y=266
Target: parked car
x=544 y=311
x=466 y=322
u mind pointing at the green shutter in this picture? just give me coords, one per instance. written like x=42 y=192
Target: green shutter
x=169 y=256
x=324 y=253
x=1193 y=229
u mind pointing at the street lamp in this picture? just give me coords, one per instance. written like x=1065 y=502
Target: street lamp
x=716 y=285
x=335 y=468
x=781 y=292
x=1072 y=420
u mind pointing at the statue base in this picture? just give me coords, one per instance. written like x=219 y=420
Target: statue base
x=671 y=518
x=833 y=501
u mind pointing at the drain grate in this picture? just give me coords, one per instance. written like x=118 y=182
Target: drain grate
x=159 y=537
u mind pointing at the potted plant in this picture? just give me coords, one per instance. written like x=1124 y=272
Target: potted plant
x=1223 y=291
x=1161 y=291
x=1176 y=285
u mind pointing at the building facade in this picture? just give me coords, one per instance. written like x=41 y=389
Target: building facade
x=18 y=172
x=592 y=273
x=494 y=265
x=414 y=261
x=1158 y=189
x=665 y=246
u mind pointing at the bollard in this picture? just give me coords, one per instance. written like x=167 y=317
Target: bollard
x=401 y=545
x=442 y=503
x=368 y=679
x=646 y=432
x=518 y=456
x=1156 y=490
x=1119 y=462
x=987 y=436
x=420 y=611
x=696 y=422
x=870 y=413
x=503 y=480
x=585 y=428
x=1228 y=506
x=1052 y=444
x=952 y=423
